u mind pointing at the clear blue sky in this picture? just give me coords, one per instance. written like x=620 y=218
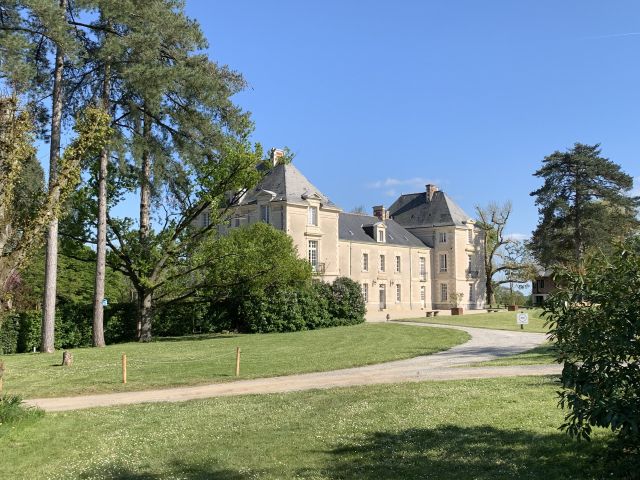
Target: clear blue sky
x=377 y=98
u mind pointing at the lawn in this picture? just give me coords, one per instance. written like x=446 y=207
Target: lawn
x=208 y=359
x=544 y=354
x=481 y=429
x=498 y=321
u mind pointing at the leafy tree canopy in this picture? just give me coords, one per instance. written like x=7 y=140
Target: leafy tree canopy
x=595 y=321
x=584 y=203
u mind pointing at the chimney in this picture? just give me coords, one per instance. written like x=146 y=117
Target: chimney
x=380 y=212
x=431 y=189
x=276 y=154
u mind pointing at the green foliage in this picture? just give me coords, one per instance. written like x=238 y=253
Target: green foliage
x=595 y=321
x=12 y=410
x=346 y=302
x=250 y=260
x=290 y=309
x=20 y=332
x=583 y=204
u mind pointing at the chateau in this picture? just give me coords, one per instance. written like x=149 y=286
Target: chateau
x=422 y=253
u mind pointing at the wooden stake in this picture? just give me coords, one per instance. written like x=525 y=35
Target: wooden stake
x=1 y=374
x=124 y=368
x=237 y=361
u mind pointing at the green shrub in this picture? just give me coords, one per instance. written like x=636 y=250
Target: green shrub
x=8 y=334
x=185 y=318
x=346 y=305
x=289 y=309
x=29 y=331
x=595 y=322
x=274 y=311
x=12 y=410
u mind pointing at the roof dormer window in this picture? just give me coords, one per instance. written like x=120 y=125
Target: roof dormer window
x=380 y=235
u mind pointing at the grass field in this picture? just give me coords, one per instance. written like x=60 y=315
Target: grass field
x=498 y=321
x=480 y=429
x=544 y=354
x=200 y=360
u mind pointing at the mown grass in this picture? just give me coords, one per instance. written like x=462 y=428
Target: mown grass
x=498 y=321
x=480 y=429
x=208 y=359
x=544 y=354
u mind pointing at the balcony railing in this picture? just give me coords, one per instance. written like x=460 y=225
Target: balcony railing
x=318 y=269
x=472 y=273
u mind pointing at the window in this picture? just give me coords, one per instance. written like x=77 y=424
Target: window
x=380 y=235
x=423 y=268
x=365 y=262
x=423 y=295
x=206 y=219
x=236 y=222
x=264 y=213
x=444 y=294
x=382 y=263
x=470 y=267
x=470 y=236
x=313 y=254
x=365 y=292
x=312 y=216
x=443 y=237
x=398 y=293
x=472 y=293
x=398 y=263
x=541 y=283
x=443 y=262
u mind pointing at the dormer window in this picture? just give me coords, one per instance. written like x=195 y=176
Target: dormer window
x=264 y=213
x=312 y=216
x=381 y=236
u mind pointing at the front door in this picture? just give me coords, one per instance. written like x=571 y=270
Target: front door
x=383 y=296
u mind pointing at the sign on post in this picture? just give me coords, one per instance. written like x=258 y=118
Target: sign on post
x=522 y=319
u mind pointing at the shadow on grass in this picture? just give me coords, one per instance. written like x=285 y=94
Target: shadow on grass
x=174 y=470
x=197 y=336
x=456 y=453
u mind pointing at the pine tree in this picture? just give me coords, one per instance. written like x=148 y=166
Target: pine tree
x=584 y=203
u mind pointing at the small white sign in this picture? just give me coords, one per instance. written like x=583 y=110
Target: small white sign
x=105 y=302
x=522 y=319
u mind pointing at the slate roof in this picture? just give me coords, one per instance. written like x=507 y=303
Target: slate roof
x=352 y=227
x=415 y=210
x=287 y=183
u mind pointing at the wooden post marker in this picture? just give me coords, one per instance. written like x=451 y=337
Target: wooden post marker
x=237 y=361
x=1 y=374
x=124 y=368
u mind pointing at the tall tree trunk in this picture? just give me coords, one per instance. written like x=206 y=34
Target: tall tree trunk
x=489 y=288
x=51 y=259
x=101 y=248
x=145 y=314
x=144 y=294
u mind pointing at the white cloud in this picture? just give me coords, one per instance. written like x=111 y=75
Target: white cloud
x=517 y=236
x=391 y=184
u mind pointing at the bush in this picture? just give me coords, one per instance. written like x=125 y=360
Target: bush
x=288 y=309
x=347 y=303
x=185 y=318
x=12 y=410
x=595 y=321
x=8 y=334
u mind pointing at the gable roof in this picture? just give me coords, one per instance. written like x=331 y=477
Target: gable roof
x=351 y=227
x=415 y=210
x=287 y=184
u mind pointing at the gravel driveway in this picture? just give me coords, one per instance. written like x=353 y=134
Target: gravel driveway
x=484 y=345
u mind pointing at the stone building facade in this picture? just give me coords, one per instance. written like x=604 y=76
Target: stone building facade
x=421 y=254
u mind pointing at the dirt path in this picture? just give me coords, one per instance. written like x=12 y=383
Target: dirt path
x=484 y=345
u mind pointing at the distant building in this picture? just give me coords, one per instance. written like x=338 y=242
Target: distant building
x=414 y=256
x=542 y=287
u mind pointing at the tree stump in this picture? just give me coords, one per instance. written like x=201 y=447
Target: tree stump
x=67 y=359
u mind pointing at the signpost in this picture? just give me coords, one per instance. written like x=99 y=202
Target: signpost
x=522 y=319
